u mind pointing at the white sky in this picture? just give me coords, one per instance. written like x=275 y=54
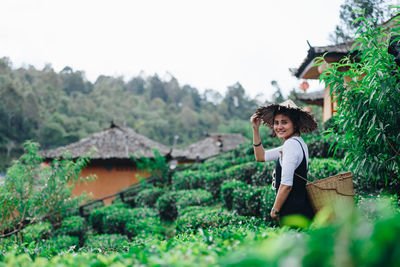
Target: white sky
x=204 y=43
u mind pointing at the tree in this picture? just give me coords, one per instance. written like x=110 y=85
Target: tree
x=157 y=88
x=277 y=97
x=237 y=104
x=136 y=85
x=73 y=81
x=32 y=193
x=376 y=10
x=14 y=120
x=368 y=119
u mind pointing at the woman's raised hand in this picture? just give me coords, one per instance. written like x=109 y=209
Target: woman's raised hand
x=255 y=121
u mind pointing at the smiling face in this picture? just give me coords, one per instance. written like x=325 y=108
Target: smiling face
x=283 y=127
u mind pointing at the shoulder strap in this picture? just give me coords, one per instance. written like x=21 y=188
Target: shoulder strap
x=304 y=154
x=301 y=147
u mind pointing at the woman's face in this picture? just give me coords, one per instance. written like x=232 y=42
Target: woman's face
x=283 y=126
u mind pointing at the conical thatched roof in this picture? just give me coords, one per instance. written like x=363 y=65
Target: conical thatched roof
x=116 y=142
x=210 y=146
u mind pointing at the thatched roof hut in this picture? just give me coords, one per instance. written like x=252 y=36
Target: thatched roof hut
x=116 y=142
x=210 y=146
x=332 y=53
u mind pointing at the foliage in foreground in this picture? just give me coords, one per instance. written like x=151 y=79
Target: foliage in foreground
x=32 y=192
x=367 y=91
x=352 y=239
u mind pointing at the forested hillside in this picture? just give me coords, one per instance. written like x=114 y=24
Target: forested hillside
x=55 y=109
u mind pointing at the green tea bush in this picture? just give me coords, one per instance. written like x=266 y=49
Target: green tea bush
x=106 y=243
x=72 y=226
x=144 y=226
x=37 y=232
x=323 y=146
x=115 y=220
x=192 y=198
x=227 y=191
x=148 y=197
x=264 y=176
x=171 y=203
x=144 y=221
x=215 y=165
x=213 y=181
x=166 y=205
x=268 y=201
x=350 y=240
x=143 y=213
x=248 y=201
x=188 y=179
x=58 y=244
x=323 y=168
x=218 y=164
x=244 y=172
x=194 y=218
x=97 y=215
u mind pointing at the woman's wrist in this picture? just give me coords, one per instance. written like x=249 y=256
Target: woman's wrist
x=274 y=211
x=257 y=144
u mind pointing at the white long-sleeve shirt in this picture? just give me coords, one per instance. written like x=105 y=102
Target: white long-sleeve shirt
x=290 y=157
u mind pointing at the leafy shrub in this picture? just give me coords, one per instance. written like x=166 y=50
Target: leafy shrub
x=144 y=226
x=166 y=206
x=248 y=201
x=97 y=215
x=368 y=110
x=243 y=172
x=188 y=179
x=157 y=166
x=344 y=242
x=114 y=221
x=106 y=243
x=31 y=191
x=72 y=226
x=227 y=189
x=148 y=197
x=170 y=203
x=217 y=164
x=193 y=218
x=143 y=213
x=322 y=146
x=264 y=176
x=213 y=181
x=323 y=168
x=58 y=244
x=267 y=202
x=36 y=232
x=114 y=218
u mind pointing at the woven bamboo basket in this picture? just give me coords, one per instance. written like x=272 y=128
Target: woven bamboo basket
x=337 y=188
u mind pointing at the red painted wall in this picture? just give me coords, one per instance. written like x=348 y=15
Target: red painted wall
x=109 y=180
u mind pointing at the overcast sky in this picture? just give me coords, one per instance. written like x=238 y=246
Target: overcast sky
x=204 y=43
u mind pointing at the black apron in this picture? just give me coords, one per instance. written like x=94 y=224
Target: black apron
x=297 y=201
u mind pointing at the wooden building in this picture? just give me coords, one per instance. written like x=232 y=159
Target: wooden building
x=308 y=70
x=110 y=161
x=331 y=53
x=111 y=151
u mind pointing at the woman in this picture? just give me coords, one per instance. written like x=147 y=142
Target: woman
x=287 y=122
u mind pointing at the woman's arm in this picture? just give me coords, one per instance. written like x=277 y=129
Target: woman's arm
x=258 y=149
x=281 y=196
